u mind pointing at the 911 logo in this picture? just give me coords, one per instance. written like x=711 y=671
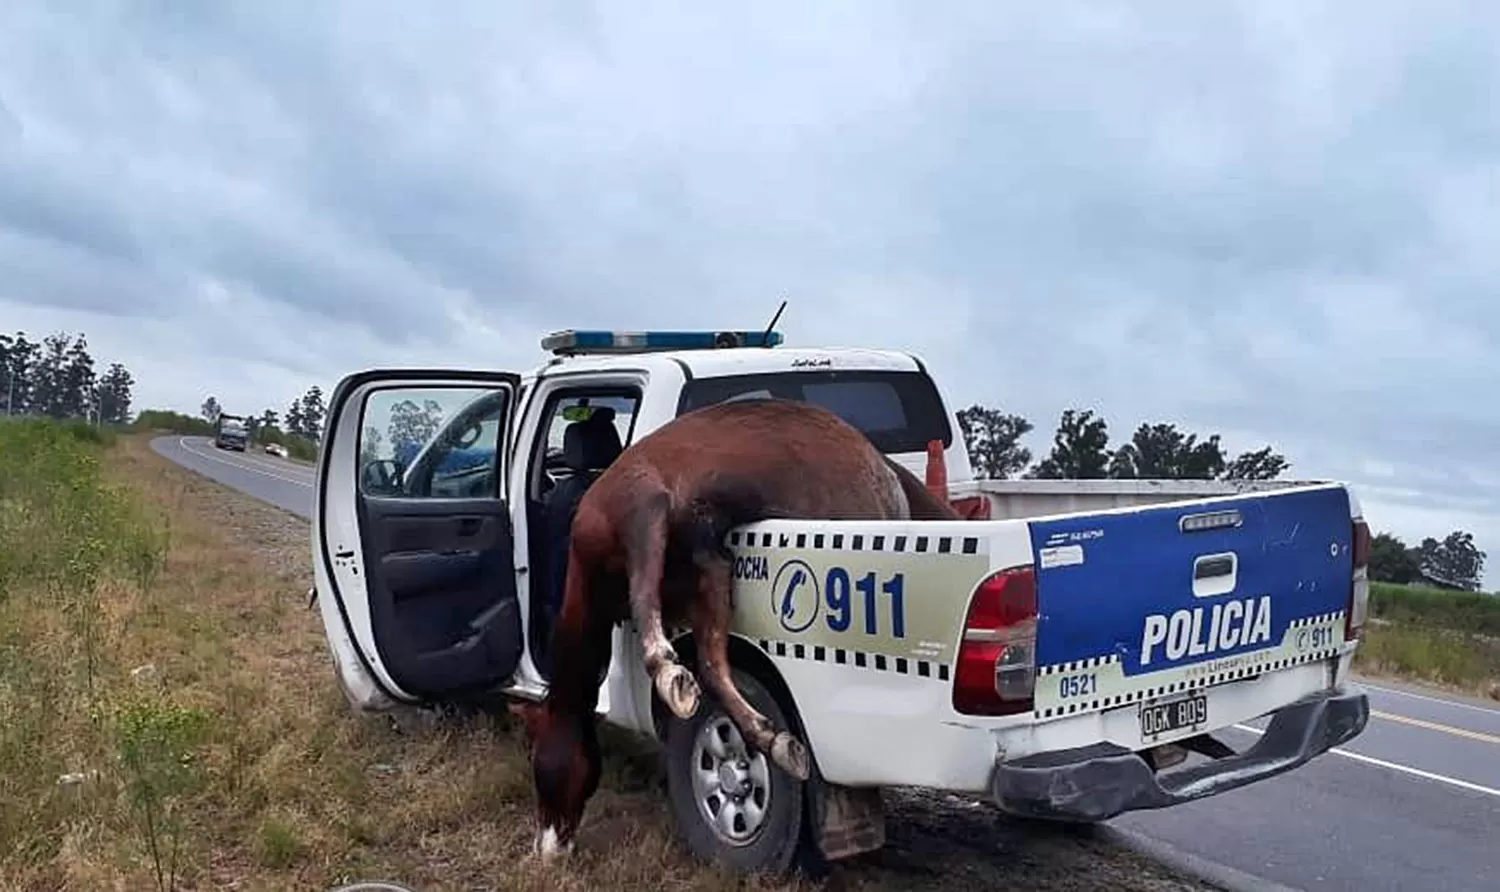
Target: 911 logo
x=795 y=598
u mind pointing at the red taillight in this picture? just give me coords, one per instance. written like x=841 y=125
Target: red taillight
x=996 y=672
x=1361 y=544
x=1359 y=584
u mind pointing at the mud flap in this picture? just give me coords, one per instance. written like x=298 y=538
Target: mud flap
x=846 y=821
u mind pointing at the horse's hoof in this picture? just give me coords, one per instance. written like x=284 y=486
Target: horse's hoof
x=789 y=753
x=678 y=689
x=546 y=846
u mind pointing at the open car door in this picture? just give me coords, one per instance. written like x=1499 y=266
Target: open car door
x=412 y=536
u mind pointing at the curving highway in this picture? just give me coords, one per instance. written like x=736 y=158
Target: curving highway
x=1411 y=804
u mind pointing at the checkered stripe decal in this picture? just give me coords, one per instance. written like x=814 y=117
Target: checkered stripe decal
x=1077 y=666
x=1272 y=661
x=1315 y=620
x=860 y=542
x=859 y=659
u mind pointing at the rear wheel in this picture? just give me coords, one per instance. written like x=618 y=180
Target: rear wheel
x=732 y=805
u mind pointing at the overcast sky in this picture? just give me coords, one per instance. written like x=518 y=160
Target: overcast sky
x=1276 y=220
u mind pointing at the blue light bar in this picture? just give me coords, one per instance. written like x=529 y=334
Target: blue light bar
x=578 y=343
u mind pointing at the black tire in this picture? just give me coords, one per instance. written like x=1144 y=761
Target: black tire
x=774 y=848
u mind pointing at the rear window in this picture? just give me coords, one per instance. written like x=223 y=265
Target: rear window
x=898 y=411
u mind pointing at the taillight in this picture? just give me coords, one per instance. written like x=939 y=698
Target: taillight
x=1359 y=585
x=996 y=672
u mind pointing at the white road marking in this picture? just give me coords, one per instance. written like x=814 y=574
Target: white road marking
x=1460 y=705
x=182 y=443
x=1394 y=766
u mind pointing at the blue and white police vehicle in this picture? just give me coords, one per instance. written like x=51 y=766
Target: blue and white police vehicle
x=1060 y=653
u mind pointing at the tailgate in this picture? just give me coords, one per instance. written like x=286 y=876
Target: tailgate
x=1154 y=605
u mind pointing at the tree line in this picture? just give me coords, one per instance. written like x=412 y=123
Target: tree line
x=1081 y=450
x=1452 y=562
x=57 y=377
x=299 y=427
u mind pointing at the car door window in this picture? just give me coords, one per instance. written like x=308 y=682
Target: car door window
x=570 y=406
x=432 y=442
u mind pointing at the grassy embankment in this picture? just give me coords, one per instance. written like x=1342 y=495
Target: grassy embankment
x=169 y=719
x=167 y=710
x=1448 y=638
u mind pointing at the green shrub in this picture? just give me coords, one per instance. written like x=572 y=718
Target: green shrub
x=174 y=422
x=61 y=524
x=1472 y=612
x=68 y=540
x=157 y=743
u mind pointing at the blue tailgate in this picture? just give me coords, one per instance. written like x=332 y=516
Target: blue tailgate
x=1135 y=589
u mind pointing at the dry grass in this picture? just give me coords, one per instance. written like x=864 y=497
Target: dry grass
x=1445 y=639
x=274 y=785
x=1443 y=658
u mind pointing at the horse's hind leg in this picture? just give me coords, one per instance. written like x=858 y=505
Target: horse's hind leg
x=710 y=617
x=646 y=538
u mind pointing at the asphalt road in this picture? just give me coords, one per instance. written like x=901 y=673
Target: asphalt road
x=285 y=484
x=1412 y=803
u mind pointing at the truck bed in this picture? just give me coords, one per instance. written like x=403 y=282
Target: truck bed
x=1160 y=610
x=1026 y=499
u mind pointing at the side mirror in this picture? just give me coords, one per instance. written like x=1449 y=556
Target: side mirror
x=381 y=477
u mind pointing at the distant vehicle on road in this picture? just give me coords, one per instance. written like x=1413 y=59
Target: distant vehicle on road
x=231 y=433
x=276 y=449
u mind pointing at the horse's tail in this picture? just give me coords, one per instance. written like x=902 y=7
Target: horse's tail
x=924 y=505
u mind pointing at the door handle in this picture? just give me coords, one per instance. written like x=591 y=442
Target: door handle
x=468 y=526
x=1215 y=574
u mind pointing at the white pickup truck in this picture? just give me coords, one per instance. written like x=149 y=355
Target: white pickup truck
x=1054 y=653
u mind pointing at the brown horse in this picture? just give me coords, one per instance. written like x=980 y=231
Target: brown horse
x=648 y=544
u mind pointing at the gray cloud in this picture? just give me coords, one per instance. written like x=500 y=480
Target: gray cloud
x=1273 y=219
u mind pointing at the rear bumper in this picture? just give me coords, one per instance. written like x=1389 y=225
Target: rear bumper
x=1098 y=782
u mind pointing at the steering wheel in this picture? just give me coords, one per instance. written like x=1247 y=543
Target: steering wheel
x=469 y=437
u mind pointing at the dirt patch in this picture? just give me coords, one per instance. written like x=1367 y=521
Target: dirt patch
x=297 y=793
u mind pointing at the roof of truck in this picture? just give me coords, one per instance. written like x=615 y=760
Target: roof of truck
x=743 y=360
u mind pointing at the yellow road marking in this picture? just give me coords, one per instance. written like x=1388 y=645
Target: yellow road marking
x=1434 y=726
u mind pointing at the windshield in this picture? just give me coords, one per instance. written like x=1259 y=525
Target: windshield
x=898 y=411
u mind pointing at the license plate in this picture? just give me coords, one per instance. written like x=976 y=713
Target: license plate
x=1158 y=717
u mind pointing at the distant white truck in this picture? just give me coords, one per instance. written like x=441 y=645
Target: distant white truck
x=1054 y=656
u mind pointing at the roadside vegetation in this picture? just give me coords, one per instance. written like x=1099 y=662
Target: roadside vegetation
x=1433 y=635
x=169 y=719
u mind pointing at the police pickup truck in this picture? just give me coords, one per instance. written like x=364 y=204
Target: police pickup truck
x=1058 y=652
